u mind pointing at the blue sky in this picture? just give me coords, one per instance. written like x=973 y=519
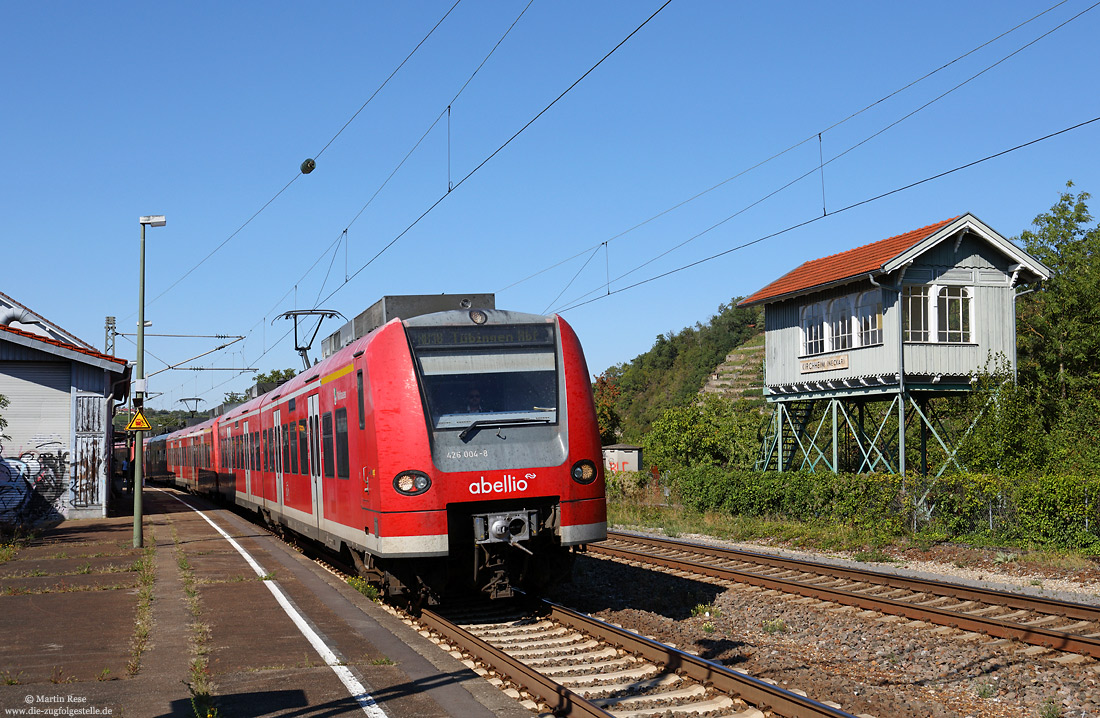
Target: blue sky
x=203 y=112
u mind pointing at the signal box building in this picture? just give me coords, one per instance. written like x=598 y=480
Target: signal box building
x=900 y=320
x=55 y=457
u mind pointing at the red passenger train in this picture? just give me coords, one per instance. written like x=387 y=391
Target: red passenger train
x=450 y=450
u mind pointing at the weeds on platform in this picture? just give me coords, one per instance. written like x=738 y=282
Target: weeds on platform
x=143 y=620
x=8 y=551
x=12 y=543
x=201 y=684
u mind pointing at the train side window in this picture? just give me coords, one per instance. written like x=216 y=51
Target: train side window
x=264 y=450
x=342 y=470
x=286 y=448
x=256 y=450
x=359 y=386
x=303 y=448
x=292 y=447
x=326 y=440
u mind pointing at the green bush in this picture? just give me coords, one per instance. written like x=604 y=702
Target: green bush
x=625 y=484
x=1056 y=511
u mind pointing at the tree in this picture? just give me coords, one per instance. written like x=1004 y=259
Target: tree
x=716 y=432
x=235 y=397
x=605 y=393
x=276 y=376
x=1058 y=341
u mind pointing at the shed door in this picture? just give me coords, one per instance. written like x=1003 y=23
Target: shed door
x=90 y=466
x=34 y=470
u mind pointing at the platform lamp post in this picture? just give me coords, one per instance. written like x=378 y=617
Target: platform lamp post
x=156 y=220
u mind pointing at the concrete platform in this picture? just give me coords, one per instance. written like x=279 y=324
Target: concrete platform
x=187 y=628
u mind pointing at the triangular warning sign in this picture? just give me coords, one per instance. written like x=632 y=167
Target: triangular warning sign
x=139 y=422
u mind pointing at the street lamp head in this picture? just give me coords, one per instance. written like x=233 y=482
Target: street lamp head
x=153 y=220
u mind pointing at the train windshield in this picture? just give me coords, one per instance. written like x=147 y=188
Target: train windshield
x=496 y=374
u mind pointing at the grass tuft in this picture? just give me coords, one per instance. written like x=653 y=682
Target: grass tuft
x=365 y=587
x=775 y=625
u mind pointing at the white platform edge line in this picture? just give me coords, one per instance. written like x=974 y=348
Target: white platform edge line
x=358 y=692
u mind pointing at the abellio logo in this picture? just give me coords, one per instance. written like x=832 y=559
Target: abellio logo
x=508 y=484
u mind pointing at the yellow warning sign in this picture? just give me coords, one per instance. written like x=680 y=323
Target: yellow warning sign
x=139 y=422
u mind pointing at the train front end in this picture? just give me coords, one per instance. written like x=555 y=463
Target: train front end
x=516 y=471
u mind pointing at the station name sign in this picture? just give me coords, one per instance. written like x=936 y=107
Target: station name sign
x=809 y=366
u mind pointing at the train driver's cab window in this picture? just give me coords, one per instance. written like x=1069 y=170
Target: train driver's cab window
x=494 y=374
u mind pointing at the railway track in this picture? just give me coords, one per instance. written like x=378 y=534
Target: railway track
x=1060 y=625
x=577 y=665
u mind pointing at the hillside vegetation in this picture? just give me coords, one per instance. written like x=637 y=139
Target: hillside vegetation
x=1027 y=456
x=672 y=373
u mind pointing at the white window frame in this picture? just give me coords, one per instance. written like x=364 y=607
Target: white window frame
x=813 y=329
x=917 y=295
x=868 y=331
x=840 y=324
x=964 y=303
x=932 y=332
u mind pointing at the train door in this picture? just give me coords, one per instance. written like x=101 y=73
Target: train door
x=280 y=439
x=247 y=461
x=315 y=457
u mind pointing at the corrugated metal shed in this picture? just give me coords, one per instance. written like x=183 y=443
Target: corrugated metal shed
x=60 y=391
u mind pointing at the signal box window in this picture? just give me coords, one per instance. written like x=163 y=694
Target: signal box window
x=813 y=329
x=953 y=313
x=914 y=313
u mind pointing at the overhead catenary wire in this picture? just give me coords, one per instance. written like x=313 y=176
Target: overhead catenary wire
x=499 y=149
x=812 y=220
x=848 y=150
x=605 y=243
x=817 y=135
x=471 y=173
x=318 y=154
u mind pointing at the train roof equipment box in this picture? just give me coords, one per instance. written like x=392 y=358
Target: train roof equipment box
x=404 y=306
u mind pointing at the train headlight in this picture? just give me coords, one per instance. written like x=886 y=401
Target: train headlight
x=412 y=483
x=583 y=472
x=478 y=317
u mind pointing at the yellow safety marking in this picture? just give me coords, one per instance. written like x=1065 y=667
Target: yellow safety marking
x=342 y=371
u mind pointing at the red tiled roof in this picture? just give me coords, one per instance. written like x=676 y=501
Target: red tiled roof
x=846 y=265
x=63 y=345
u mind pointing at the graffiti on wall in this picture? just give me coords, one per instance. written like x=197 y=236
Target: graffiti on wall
x=34 y=483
